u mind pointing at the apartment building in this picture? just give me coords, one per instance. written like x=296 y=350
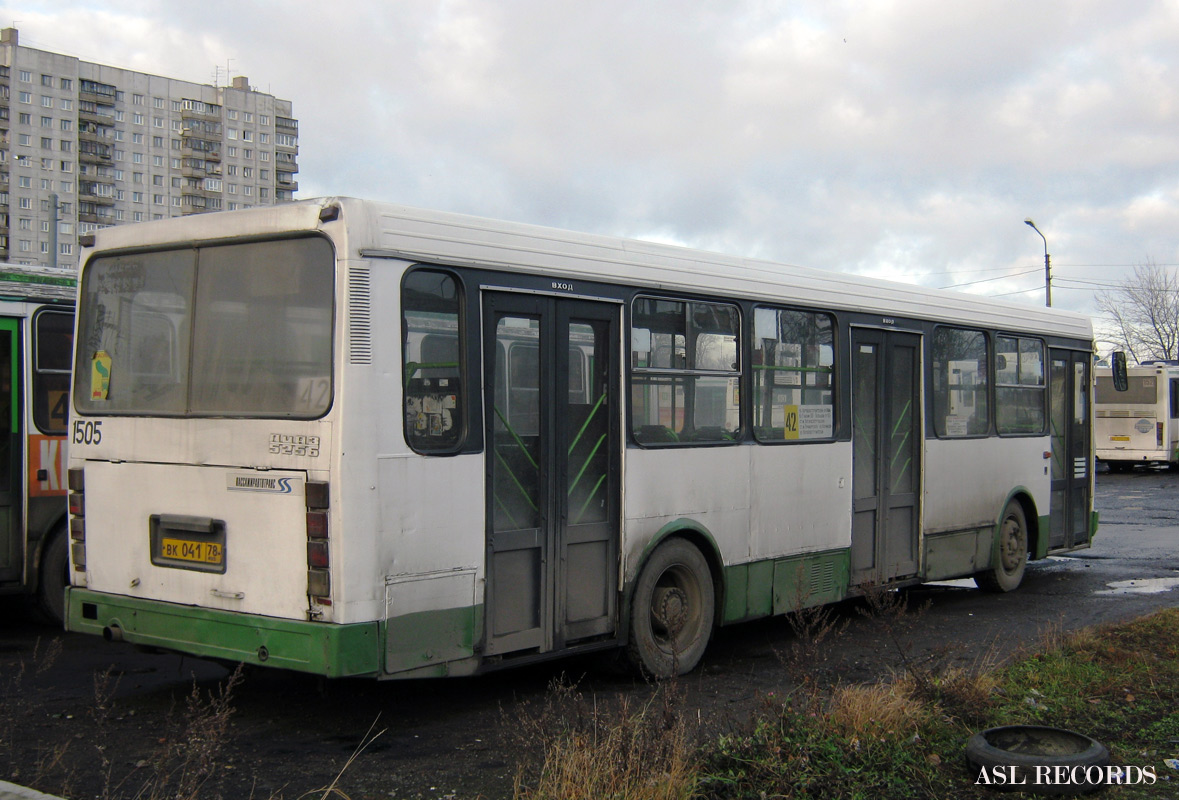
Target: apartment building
x=85 y=146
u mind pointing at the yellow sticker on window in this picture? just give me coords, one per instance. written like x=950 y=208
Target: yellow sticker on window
x=100 y=375
x=790 y=422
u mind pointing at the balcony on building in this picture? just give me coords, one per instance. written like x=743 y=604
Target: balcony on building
x=99 y=156
x=193 y=167
x=198 y=109
x=96 y=91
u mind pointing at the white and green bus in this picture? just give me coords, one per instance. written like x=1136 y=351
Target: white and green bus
x=359 y=439
x=36 y=346
x=1141 y=424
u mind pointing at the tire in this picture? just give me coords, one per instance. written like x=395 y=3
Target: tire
x=1011 y=559
x=672 y=611
x=1120 y=466
x=1025 y=747
x=54 y=577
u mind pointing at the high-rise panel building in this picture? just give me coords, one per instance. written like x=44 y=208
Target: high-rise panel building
x=84 y=146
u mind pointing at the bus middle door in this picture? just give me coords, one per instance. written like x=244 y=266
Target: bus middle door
x=886 y=455
x=552 y=471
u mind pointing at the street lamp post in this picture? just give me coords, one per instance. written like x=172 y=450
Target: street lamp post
x=1047 y=264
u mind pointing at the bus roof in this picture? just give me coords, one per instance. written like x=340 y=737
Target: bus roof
x=377 y=229
x=28 y=282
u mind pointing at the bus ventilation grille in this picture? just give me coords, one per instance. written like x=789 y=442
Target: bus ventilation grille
x=360 y=318
x=822 y=578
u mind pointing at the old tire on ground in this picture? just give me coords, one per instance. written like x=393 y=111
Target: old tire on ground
x=1026 y=747
x=672 y=611
x=1011 y=559
x=53 y=577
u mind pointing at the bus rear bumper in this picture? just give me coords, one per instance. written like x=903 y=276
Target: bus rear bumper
x=335 y=651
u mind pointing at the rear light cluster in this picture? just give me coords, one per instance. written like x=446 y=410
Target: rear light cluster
x=77 y=484
x=319 y=580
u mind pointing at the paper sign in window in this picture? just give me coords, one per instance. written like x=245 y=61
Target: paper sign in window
x=100 y=375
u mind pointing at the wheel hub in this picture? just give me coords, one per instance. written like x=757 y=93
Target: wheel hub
x=669 y=608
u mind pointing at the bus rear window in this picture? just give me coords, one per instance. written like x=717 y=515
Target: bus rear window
x=1143 y=391
x=229 y=330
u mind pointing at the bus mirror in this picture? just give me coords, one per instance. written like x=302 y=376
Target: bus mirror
x=1121 y=380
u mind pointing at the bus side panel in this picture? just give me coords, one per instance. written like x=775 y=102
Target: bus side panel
x=432 y=546
x=801 y=497
x=762 y=505
x=967 y=483
x=708 y=485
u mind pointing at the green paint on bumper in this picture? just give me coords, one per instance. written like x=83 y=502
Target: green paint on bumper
x=335 y=651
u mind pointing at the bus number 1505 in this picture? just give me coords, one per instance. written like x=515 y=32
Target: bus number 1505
x=87 y=432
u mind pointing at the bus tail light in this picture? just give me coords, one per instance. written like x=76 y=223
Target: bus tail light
x=76 y=480
x=1158 y=426
x=319 y=582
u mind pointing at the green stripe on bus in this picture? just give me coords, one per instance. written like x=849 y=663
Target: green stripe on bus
x=335 y=651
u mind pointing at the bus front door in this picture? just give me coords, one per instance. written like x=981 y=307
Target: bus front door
x=11 y=538
x=553 y=444
x=1070 y=416
x=886 y=455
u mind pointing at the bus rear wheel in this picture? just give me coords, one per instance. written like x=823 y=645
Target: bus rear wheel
x=51 y=584
x=672 y=611
x=1012 y=557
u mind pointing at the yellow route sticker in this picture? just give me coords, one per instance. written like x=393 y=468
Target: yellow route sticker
x=100 y=375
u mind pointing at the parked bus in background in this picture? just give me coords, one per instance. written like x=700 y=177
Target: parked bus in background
x=355 y=438
x=1141 y=424
x=36 y=345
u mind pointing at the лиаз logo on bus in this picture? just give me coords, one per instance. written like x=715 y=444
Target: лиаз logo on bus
x=253 y=482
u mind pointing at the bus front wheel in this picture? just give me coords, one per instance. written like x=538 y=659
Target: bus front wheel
x=1011 y=560
x=672 y=611
x=55 y=567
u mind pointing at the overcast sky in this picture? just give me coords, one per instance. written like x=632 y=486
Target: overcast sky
x=906 y=139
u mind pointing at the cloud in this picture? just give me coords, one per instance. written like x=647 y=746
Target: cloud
x=905 y=139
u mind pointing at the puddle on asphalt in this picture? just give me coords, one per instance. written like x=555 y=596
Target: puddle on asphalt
x=1141 y=586
x=960 y=583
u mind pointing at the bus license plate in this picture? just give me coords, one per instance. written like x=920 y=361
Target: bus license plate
x=196 y=552
x=1119 y=438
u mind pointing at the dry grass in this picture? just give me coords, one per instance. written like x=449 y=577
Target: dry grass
x=591 y=752
x=191 y=748
x=882 y=710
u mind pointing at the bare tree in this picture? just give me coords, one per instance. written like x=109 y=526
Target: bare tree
x=1143 y=313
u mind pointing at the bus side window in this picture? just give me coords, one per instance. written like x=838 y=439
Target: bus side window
x=1019 y=386
x=432 y=361
x=960 y=383
x=793 y=375
x=685 y=371
x=54 y=343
